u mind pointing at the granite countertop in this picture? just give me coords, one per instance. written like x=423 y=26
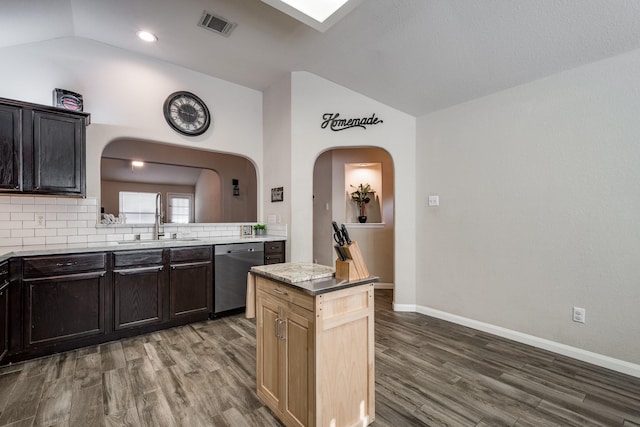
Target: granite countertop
x=35 y=250
x=311 y=278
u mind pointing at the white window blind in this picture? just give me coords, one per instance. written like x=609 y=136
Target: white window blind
x=180 y=208
x=139 y=208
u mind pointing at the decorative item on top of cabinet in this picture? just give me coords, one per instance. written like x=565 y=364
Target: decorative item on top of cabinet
x=274 y=252
x=138 y=286
x=43 y=149
x=4 y=309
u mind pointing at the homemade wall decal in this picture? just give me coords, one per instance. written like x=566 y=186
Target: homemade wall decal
x=277 y=194
x=66 y=99
x=333 y=122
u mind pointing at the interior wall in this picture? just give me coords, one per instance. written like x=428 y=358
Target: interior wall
x=323 y=242
x=313 y=97
x=208 y=200
x=124 y=92
x=111 y=189
x=539 y=207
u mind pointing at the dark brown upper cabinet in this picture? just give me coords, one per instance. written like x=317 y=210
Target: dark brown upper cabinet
x=42 y=149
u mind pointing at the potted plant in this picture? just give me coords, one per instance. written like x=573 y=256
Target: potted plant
x=260 y=229
x=360 y=196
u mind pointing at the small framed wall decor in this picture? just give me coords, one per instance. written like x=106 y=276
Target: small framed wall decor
x=277 y=194
x=246 y=230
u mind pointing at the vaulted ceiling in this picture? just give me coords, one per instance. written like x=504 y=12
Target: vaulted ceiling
x=415 y=55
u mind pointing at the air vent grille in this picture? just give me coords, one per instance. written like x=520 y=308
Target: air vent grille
x=215 y=23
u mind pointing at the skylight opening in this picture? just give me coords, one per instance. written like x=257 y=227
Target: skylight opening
x=319 y=10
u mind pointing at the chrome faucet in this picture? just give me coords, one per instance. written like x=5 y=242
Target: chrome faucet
x=158 y=219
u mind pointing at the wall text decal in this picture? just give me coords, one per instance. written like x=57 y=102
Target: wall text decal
x=332 y=121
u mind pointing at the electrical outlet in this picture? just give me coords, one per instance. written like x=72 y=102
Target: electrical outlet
x=40 y=222
x=579 y=314
x=434 y=200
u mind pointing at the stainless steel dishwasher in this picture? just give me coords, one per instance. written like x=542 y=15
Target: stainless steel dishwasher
x=231 y=264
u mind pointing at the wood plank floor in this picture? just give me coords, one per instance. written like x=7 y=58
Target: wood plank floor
x=428 y=373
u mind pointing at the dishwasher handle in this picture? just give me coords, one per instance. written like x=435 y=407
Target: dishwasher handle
x=241 y=251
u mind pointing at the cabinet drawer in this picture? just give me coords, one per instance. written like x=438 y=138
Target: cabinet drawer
x=273 y=247
x=63 y=264
x=132 y=258
x=273 y=259
x=284 y=292
x=190 y=254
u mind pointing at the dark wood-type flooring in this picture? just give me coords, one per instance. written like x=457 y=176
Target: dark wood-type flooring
x=428 y=372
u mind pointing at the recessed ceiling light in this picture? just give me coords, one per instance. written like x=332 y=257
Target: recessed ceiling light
x=147 y=36
x=137 y=163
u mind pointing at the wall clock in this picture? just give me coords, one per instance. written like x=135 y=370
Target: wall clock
x=186 y=113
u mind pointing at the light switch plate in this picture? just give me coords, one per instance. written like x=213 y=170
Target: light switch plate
x=434 y=200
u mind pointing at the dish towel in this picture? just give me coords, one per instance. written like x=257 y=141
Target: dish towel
x=250 y=312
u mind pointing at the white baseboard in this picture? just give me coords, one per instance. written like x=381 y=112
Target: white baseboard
x=565 y=350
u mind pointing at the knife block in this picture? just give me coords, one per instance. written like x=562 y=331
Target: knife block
x=353 y=268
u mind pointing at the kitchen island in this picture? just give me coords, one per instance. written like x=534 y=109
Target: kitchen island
x=315 y=345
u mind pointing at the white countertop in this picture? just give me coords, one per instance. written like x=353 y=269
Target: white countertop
x=12 y=251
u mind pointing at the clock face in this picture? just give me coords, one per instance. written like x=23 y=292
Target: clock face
x=187 y=113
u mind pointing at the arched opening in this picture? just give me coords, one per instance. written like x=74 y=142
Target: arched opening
x=208 y=176
x=337 y=174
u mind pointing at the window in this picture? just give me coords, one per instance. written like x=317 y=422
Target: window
x=139 y=208
x=180 y=208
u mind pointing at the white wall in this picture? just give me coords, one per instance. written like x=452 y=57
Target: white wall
x=124 y=93
x=540 y=208
x=311 y=97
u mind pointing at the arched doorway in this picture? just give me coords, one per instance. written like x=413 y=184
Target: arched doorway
x=336 y=174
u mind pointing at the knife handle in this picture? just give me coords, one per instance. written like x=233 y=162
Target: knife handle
x=345 y=235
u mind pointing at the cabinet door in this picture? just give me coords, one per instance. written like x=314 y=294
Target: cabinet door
x=191 y=289
x=137 y=297
x=268 y=345
x=4 y=310
x=298 y=403
x=58 y=154
x=64 y=308
x=10 y=148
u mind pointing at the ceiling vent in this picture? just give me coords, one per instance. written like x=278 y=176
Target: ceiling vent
x=217 y=24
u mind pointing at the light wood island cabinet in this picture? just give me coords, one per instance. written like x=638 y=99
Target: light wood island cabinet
x=315 y=350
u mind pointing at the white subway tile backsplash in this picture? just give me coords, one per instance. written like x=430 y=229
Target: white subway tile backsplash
x=96 y=238
x=66 y=201
x=22 y=200
x=50 y=216
x=77 y=224
x=9 y=225
x=23 y=216
x=43 y=232
x=33 y=208
x=5 y=200
x=21 y=232
x=67 y=232
x=12 y=241
x=67 y=216
x=55 y=239
x=77 y=239
x=34 y=241
x=115 y=237
x=56 y=224
x=10 y=208
x=89 y=231
x=55 y=208
x=5 y=216
x=5 y=233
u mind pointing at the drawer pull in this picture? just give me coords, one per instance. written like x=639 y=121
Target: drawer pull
x=279 y=329
x=65 y=264
x=279 y=292
x=3 y=272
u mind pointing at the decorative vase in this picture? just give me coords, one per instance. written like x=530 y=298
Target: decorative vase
x=362 y=218
x=363 y=213
x=260 y=232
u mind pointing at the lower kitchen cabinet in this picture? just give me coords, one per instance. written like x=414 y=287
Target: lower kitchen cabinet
x=314 y=349
x=191 y=282
x=4 y=309
x=64 y=298
x=274 y=252
x=138 y=287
